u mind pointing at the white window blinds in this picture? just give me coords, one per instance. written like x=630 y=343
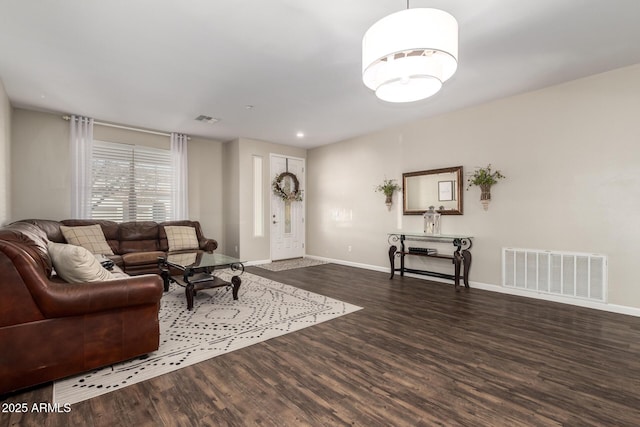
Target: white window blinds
x=130 y=183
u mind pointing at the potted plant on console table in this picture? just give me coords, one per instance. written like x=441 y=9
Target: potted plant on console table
x=485 y=178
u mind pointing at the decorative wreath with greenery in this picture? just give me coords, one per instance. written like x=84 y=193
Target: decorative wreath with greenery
x=287 y=193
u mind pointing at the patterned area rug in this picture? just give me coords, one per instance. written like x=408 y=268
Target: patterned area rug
x=290 y=264
x=217 y=325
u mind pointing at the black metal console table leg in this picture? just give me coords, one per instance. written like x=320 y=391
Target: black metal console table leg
x=466 y=259
x=457 y=260
x=392 y=260
x=402 y=253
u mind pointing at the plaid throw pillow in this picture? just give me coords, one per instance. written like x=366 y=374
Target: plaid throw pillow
x=181 y=237
x=89 y=237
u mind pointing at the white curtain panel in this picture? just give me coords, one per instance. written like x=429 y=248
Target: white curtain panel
x=81 y=147
x=180 y=172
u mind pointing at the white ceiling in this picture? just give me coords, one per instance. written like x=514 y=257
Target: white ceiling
x=158 y=64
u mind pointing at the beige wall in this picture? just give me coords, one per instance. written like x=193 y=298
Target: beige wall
x=40 y=146
x=40 y=156
x=5 y=156
x=571 y=155
x=231 y=198
x=206 y=183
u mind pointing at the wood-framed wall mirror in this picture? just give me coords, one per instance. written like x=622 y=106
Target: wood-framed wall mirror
x=441 y=188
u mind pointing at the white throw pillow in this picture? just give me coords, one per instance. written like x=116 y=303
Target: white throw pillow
x=75 y=264
x=181 y=237
x=88 y=236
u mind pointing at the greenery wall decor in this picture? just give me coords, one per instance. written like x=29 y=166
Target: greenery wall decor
x=484 y=178
x=388 y=187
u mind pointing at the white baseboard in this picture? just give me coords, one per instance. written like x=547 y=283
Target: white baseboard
x=268 y=261
x=350 y=263
x=259 y=262
x=613 y=308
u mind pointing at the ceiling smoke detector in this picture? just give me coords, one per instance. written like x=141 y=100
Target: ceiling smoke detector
x=207 y=119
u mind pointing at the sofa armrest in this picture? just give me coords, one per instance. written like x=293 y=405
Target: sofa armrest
x=208 y=245
x=74 y=299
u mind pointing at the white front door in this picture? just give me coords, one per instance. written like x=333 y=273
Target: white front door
x=287 y=216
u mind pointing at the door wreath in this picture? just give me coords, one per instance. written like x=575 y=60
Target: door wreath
x=282 y=187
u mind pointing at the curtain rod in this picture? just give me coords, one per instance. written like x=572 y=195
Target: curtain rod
x=111 y=125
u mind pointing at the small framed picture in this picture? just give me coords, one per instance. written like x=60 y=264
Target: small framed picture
x=445 y=191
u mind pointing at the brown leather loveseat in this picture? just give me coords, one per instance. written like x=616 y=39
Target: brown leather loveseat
x=136 y=244
x=50 y=329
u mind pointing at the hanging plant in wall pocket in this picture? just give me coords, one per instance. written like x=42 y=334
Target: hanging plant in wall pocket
x=388 y=187
x=484 y=178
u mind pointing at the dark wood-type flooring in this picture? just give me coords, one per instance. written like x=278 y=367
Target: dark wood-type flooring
x=419 y=354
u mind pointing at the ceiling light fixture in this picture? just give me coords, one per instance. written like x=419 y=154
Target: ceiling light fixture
x=408 y=55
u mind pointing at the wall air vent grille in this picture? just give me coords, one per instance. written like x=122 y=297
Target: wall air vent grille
x=567 y=274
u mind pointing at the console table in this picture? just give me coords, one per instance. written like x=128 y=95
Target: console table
x=461 y=257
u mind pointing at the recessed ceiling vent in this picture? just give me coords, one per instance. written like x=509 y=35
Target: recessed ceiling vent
x=207 y=119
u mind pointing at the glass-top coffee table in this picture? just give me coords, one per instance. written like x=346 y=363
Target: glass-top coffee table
x=198 y=272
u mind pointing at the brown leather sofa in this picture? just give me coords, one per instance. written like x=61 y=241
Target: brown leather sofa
x=136 y=244
x=50 y=329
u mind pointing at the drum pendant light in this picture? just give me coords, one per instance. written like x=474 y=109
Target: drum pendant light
x=408 y=55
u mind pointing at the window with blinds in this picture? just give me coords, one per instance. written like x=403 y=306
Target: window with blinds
x=130 y=182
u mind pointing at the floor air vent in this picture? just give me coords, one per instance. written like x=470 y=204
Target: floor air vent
x=568 y=274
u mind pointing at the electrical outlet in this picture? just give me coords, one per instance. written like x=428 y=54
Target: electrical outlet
x=349 y=248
